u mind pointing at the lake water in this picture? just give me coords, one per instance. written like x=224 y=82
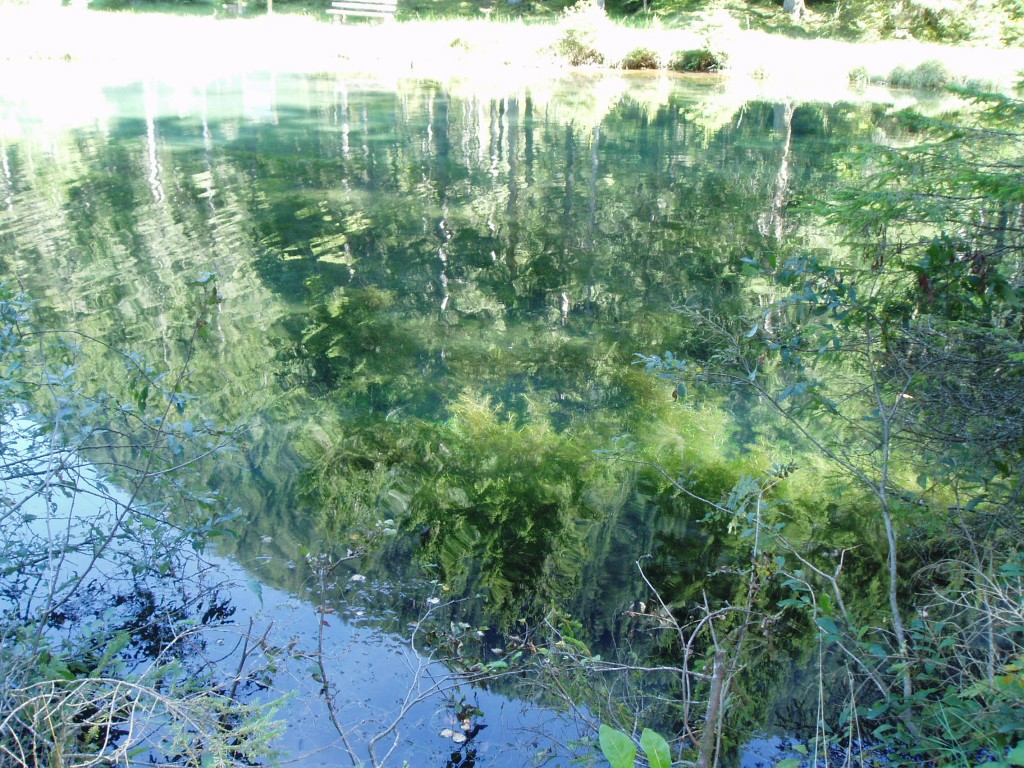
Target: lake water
x=431 y=307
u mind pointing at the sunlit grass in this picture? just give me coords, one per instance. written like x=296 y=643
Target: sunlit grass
x=51 y=50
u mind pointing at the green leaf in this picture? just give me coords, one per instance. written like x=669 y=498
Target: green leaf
x=789 y=762
x=826 y=625
x=656 y=748
x=825 y=602
x=878 y=650
x=617 y=748
x=1016 y=756
x=256 y=588
x=877 y=711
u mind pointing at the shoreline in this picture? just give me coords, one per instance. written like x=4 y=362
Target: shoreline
x=60 y=49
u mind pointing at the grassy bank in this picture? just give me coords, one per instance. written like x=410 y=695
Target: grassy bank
x=48 y=43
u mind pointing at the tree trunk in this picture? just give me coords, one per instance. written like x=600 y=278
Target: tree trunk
x=795 y=7
x=712 y=720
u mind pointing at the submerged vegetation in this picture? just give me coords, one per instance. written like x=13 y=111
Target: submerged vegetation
x=106 y=612
x=881 y=548
x=898 y=362
x=672 y=413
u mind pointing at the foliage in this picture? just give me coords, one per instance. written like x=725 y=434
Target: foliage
x=620 y=751
x=580 y=33
x=859 y=76
x=948 y=21
x=928 y=75
x=617 y=747
x=578 y=50
x=500 y=506
x=380 y=331
x=641 y=58
x=103 y=604
x=901 y=365
x=432 y=9
x=990 y=22
x=697 y=60
x=970 y=640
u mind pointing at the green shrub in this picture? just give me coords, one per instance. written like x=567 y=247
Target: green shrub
x=581 y=28
x=697 y=60
x=859 y=77
x=641 y=58
x=928 y=75
x=578 y=52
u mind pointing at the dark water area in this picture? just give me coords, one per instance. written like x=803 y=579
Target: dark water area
x=432 y=303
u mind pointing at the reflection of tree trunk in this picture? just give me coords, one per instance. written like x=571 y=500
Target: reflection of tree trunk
x=7 y=196
x=496 y=136
x=210 y=193
x=343 y=113
x=528 y=140
x=440 y=109
x=592 y=217
x=595 y=140
x=156 y=184
x=570 y=179
x=512 y=205
x=569 y=190
x=160 y=215
x=773 y=222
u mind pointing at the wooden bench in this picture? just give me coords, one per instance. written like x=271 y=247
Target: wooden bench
x=380 y=9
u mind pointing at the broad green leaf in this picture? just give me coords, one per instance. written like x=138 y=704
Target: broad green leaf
x=827 y=626
x=877 y=650
x=617 y=747
x=656 y=749
x=877 y=711
x=789 y=762
x=825 y=602
x=1016 y=756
